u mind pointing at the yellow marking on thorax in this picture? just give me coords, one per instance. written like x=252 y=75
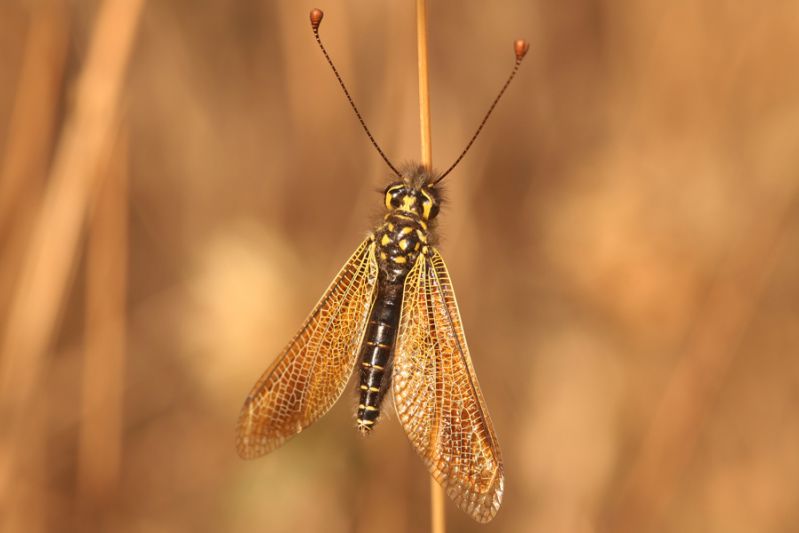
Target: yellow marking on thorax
x=385 y=240
x=400 y=259
x=404 y=243
x=395 y=213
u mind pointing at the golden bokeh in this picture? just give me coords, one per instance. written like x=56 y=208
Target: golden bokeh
x=180 y=181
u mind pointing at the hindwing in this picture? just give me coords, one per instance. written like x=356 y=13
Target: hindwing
x=436 y=394
x=310 y=374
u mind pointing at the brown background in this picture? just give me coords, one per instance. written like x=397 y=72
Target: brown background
x=622 y=238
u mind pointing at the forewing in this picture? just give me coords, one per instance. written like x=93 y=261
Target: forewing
x=437 y=397
x=310 y=374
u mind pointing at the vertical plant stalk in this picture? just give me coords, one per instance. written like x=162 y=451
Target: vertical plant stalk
x=424 y=85
x=30 y=137
x=32 y=124
x=100 y=440
x=57 y=233
x=437 y=516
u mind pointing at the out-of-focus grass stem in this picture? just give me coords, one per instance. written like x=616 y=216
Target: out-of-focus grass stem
x=57 y=234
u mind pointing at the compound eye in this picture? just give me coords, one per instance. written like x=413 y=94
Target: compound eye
x=429 y=205
x=396 y=199
x=393 y=197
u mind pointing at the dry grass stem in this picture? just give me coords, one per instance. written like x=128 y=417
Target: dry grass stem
x=31 y=132
x=437 y=513
x=56 y=237
x=100 y=439
x=424 y=84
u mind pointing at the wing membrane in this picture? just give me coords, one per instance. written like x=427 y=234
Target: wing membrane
x=310 y=374
x=437 y=396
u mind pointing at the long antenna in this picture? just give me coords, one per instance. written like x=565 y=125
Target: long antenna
x=520 y=47
x=316 y=20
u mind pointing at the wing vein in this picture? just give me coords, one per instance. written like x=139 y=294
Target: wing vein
x=364 y=263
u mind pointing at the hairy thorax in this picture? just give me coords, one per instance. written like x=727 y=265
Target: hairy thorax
x=400 y=240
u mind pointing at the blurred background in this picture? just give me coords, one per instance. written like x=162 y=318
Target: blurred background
x=180 y=180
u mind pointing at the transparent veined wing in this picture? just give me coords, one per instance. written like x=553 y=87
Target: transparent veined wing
x=437 y=397
x=310 y=374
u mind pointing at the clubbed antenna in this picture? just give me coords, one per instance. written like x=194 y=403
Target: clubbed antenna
x=316 y=20
x=520 y=47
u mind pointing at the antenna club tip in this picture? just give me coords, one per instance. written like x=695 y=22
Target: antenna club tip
x=520 y=47
x=316 y=18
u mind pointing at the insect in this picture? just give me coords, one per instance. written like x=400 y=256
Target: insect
x=391 y=314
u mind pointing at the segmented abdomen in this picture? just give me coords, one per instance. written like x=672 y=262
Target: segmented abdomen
x=376 y=353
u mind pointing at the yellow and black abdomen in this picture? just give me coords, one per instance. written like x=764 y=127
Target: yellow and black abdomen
x=399 y=242
x=377 y=351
